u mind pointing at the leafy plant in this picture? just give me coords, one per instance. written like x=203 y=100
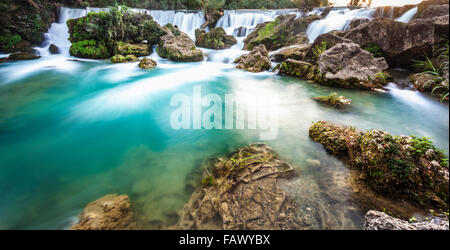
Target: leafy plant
x=319 y=49
x=374 y=49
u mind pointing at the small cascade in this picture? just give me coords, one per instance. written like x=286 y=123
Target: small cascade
x=58 y=33
x=408 y=15
x=337 y=19
x=185 y=21
x=233 y=19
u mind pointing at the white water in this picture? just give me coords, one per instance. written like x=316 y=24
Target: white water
x=186 y=22
x=336 y=20
x=408 y=15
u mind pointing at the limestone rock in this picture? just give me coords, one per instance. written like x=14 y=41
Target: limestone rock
x=22 y=56
x=375 y=220
x=147 y=63
x=214 y=39
x=296 y=52
x=178 y=46
x=255 y=61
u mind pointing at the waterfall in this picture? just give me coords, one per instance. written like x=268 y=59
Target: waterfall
x=58 y=32
x=408 y=15
x=336 y=20
x=185 y=21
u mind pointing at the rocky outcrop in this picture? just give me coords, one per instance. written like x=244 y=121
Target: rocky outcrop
x=123 y=59
x=422 y=81
x=347 y=65
x=405 y=168
x=433 y=10
x=22 y=56
x=53 y=49
x=178 y=46
x=212 y=15
x=111 y=212
x=327 y=40
x=375 y=220
x=147 y=63
x=242 y=192
x=356 y=22
x=441 y=27
x=296 y=68
x=100 y=35
x=399 y=42
x=255 y=61
x=296 y=52
x=333 y=100
x=284 y=30
x=214 y=39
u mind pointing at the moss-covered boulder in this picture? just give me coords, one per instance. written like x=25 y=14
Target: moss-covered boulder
x=89 y=49
x=118 y=58
x=178 y=46
x=284 y=30
x=255 y=61
x=296 y=52
x=406 y=168
x=423 y=81
x=114 y=31
x=296 y=68
x=214 y=39
x=333 y=100
x=137 y=49
x=22 y=56
x=147 y=63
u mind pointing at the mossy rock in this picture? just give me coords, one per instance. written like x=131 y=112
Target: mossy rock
x=214 y=39
x=147 y=63
x=123 y=59
x=89 y=49
x=138 y=49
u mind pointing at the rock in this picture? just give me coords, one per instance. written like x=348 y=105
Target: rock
x=441 y=27
x=255 y=61
x=296 y=52
x=328 y=39
x=240 y=32
x=283 y=31
x=245 y=194
x=333 y=100
x=53 y=49
x=347 y=65
x=111 y=212
x=138 y=49
x=313 y=163
x=422 y=81
x=147 y=63
x=422 y=6
x=214 y=39
x=296 y=68
x=375 y=220
x=399 y=42
x=123 y=59
x=212 y=15
x=405 y=168
x=435 y=11
x=22 y=56
x=356 y=22
x=178 y=46
x=12 y=44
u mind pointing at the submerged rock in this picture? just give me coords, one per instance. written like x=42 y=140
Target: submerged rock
x=375 y=220
x=53 y=49
x=22 y=56
x=138 y=49
x=214 y=39
x=401 y=167
x=111 y=212
x=255 y=61
x=334 y=100
x=147 y=63
x=347 y=65
x=242 y=192
x=178 y=46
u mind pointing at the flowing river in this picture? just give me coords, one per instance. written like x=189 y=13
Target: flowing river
x=72 y=130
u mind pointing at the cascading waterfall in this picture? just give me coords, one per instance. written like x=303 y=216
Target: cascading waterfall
x=185 y=21
x=336 y=20
x=408 y=15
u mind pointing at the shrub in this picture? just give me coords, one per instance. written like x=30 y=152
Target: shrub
x=89 y=49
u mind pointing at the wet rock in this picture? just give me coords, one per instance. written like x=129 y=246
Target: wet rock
x=399 y=42
x=138 y=49
x=422 y=81
x=328 y=40
x=244 y=194
x=375 y=220
x=296 y=68
x=255 y=61
x=356 y=22
x=123 y=59
x=347 y=65
x=441 y=27
x=147 y=63
x=111 y=212
x=435 y=11
x=214 y=39
x=422 y=6
x=240 y=32
x=212 y=16
x=402 y=167
x=178 y=46
x=53 y=49
x=23 y=56
x=333 y=100
x=296 y=52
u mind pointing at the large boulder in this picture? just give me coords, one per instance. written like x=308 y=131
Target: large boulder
x=297 y=52
x=327 y=40
x=137 y=49
x=356 y=22
x=111 y=212
x=178 y=46
x=399 y=42
x=284 y=30
x=242 y=192
x=375 y=220
x=214 y=39
x=22 y=56
x=432 y=10
x=53 y=49
x=441 y=27
x=407 y=168
x=296 y=68
x=347 y=65
x=147 y=63
x=255 y=61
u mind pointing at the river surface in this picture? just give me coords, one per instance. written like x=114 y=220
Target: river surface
x=72 y=131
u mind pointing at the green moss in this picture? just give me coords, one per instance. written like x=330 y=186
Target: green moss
x=9 y=41
x=89 y=49
x=374 y=49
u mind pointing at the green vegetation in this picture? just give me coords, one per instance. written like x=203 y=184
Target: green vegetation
x=333 y=99
x=374 y=49
x=89 y=49
x=9 y=41
x=382 y=77
x=318 y=50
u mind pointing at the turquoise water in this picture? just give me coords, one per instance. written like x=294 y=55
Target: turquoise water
x=73 y=131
